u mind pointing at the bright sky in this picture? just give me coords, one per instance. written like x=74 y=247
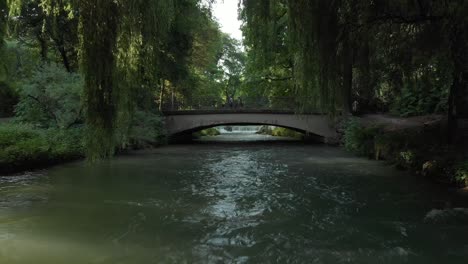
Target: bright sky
x=225 y=12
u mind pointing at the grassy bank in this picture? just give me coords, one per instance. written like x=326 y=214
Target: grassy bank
x=23 y=147
x=420 y=149
x=26 y=147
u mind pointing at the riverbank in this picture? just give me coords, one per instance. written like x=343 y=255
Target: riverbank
x=23 y=147
x=417 y=144
x=280 y=132
x=26 y=147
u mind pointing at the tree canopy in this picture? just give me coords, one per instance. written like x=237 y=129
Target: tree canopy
x=336 y=45
x=405 y=56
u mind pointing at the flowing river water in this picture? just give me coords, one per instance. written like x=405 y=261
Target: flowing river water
x=230 y=203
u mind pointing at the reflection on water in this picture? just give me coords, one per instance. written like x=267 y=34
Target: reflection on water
x=209 y=203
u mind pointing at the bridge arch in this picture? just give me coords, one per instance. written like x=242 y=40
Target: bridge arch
x=181 y=122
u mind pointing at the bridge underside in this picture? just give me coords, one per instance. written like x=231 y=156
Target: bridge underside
x=309 y=124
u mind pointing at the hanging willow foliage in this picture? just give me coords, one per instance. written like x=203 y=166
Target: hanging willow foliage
x=99 y=31
x=313 y=43
x=143 y=28
x=120 y=46
x=261 y=27
x=3 y=18
x=304 y=31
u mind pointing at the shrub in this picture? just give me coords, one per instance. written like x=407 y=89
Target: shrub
x=11 y=134
x=406 y=159
x=66 y=144
x=360 y=139
x=279 y=132
x=417 y=99
x=285 y=132
x=207 y=132
x=461 y=173
x=51 y=97
x=24 y=146
x=265 y=130
x=21 y=144
x=8 y=100
x=147 y=130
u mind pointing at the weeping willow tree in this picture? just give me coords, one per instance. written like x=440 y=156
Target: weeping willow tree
x=126 y=49
x=3 y=17
x=99 y=33
x=120 y=48
x=314 y=31
x=312 y=40
x=366 y=49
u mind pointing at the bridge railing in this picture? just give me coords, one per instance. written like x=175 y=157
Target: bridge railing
x=278 y=104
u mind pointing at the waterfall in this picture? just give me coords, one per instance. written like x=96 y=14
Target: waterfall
x=238 y=129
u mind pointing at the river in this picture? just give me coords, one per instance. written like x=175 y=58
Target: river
x=229 y=203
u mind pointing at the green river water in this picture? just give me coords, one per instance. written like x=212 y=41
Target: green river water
x=230 y=203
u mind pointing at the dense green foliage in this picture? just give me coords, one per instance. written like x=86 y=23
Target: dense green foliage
x=360 y=139
x=147 y=130
x=461 y=173
x=115 y=65
x=51 y=97
x=25 y=146
x=280 y=132
x=207 y=132
x=3 y=19
x=8 y=99
x=133 y=55
x=361 y=56
x=415 y=99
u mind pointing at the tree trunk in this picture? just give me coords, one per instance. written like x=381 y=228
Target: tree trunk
x=43 y=46
x=458 y=96
x=451 y=117
x=365 y=88
x=161 y=95
x=347 y=75
x=172 y=97
x=63 y=54
x=458 y=108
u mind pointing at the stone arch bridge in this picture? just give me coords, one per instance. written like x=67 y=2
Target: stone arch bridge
x=184 y=122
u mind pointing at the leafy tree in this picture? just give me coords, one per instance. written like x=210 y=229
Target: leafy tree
x=8 y=99
x=232 y=63
x=202 y=87
x=3 y=19
x=52 y=28
x=367 y=51
x=407 y=56
x=18 y=62
x=126 y=48
x=51 y=98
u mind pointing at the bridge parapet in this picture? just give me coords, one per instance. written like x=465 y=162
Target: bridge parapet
x=236 y=111
x=273 y=103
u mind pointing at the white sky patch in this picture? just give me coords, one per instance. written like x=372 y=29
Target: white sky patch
x=226 y=13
